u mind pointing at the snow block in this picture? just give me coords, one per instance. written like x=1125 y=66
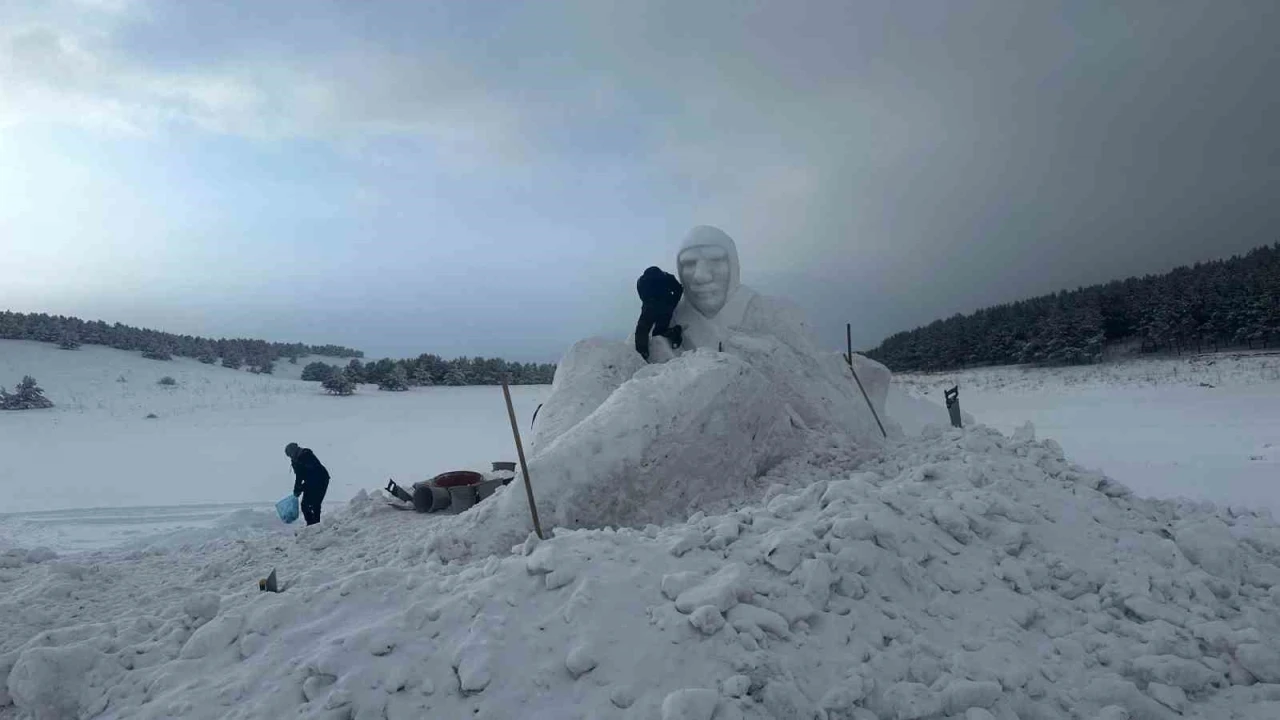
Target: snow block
x=707 y=619
x=911 y=701
x=202 y=607
x=586 y=376
x=213 y=636
x=690 y=704
x=722 y=590
x=677 y=435
x=1262 y=661
x=961 y=695
x=47 y=682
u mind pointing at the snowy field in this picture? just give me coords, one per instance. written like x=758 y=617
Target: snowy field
x=218 y=439
x=951 y=575
x=1204 y=427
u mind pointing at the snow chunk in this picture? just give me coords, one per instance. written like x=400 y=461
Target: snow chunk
x=707 y=619
x=1262 y=661
x=722 y=590
x=46 y=682
x=816 y=578
x=911 y=701
x=1171 y=697
x=1210 y=545
x=581 y=659
x=752 y=619
x=690 y=704
x=961 y=695
x=213 y=636
x=1171 y=670
x=675 y=583
x=202 y=607
x=785 y=548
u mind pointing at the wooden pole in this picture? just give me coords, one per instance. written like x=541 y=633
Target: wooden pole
x=524 y=466
x=848 y=338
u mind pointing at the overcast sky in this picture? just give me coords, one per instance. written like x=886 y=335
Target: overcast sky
x=489 y=178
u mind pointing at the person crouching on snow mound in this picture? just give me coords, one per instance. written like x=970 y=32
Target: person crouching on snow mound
x=660 y=292
x=311 y=480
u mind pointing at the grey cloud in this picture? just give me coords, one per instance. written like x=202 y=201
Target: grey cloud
x=882 y=162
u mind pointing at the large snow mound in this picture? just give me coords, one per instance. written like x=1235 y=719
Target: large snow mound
x=675 y=437
x=961 y=574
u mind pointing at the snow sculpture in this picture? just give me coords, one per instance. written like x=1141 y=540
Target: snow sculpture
x=622 y=442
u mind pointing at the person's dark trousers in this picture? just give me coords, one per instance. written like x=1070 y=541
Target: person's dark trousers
x=655 y=320
x=311 y=499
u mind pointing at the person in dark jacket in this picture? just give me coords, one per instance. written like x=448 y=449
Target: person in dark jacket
x=660 y=292
x=311 y=480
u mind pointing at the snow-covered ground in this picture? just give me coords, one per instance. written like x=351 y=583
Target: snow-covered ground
x=218 y=438
x=1205 y=427
x=953 y=575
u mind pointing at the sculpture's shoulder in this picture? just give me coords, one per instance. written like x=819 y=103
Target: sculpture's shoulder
x=780 y=317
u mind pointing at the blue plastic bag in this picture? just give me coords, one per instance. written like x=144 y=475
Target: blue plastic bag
x=287 y=508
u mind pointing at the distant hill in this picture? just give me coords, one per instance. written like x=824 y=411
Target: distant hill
x=72 y=331
x=260 y=356
x=1218 y=304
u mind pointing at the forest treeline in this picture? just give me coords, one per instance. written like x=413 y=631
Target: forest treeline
x=1211 y=305
x=260 y=356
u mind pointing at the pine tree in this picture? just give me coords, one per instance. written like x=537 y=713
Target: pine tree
x=355 y=371
x=456 y=377
x=232 y=361
x=70 y=341
x=396 y=380
x=338 y=384
x=158 y=353
x=208 y=359
x=318 y=371
x=26 y=396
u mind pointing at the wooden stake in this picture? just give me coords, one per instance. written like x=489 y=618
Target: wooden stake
x=524 y=467
x=848 y=338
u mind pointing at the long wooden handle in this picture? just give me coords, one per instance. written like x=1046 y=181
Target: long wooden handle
x=848 y=338
x=515 y=430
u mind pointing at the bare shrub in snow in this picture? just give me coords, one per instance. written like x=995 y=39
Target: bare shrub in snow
x=157 y=354
x=166 y=380
x=208 y=359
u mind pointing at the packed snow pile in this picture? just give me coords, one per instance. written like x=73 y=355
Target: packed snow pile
x=961 y=574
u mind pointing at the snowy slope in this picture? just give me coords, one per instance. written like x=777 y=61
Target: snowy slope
x=952 y=574
x=960 y=575
x=1204 y=427
x=220 y=433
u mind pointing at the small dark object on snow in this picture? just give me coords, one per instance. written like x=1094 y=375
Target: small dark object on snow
x=1204 y=384
x=152 y=416
x=269 y=583
x=953 y=405
x=454 y=491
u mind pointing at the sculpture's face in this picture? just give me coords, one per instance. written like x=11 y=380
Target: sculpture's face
x=705 y=274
